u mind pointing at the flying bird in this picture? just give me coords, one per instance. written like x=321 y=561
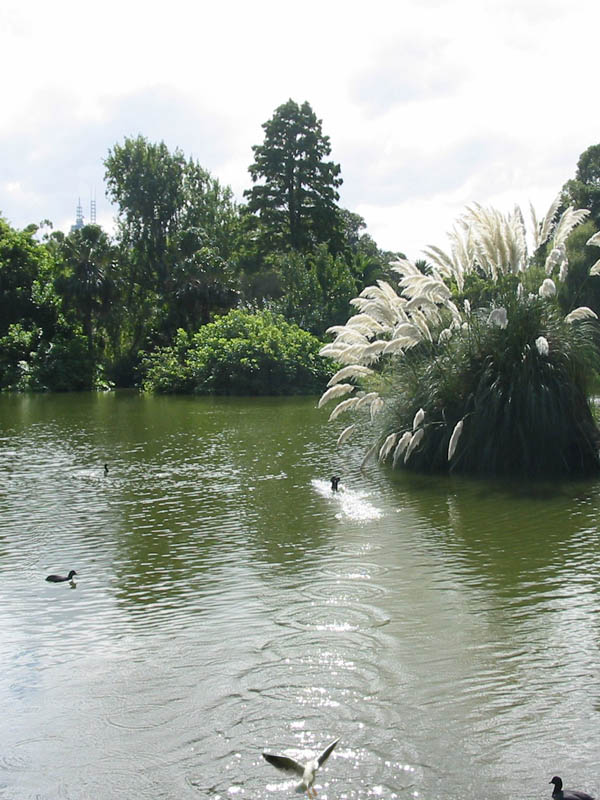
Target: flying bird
x=558 y=793
x=306 y=772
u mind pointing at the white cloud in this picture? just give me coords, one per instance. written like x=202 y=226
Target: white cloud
x=429 y=104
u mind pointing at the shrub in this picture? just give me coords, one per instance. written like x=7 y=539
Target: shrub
x=29 y=362
x=62 y=365
x=242 y=354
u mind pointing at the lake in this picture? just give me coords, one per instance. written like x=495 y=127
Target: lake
x=228 y=602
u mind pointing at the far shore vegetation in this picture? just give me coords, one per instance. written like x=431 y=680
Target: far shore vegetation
x=479 y=358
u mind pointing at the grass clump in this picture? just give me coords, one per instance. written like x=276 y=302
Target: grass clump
x=498 y=389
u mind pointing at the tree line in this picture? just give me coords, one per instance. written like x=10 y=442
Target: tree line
x=88 y=309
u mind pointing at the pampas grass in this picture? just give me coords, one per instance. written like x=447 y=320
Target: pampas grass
x=497 y=388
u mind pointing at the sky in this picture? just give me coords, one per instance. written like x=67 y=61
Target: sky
x=430 y=105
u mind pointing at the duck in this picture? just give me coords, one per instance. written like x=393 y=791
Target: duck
x=567 y=794
x=306 y=772
x=61 y=578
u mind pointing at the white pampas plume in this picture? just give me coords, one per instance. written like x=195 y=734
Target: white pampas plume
x=419 y=417
x=542 y=345
x=595 y=239
x=415 y=441
x=570 y=219
x=595 y=268
x=445 y=335
x=339 y=390
x=352 y=371
x=454 y=438
x=376 y=407
x=498 y=317
x=345 y=405
x=331 y=349
x=549 y=219
x=366 y=399
x=372 y=351
x=345 y=434
x=365 y=321
x=547 y=289
x=401 y=446
x=564 y=270
x=555 y=257
x=583 y=312
x=396 y=345
x=387 y=446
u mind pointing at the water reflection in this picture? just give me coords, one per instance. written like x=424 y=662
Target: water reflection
x=228 y=601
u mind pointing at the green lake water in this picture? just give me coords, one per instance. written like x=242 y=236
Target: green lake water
x=228 y=602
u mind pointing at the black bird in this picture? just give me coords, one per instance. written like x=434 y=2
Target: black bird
x=61 y=578
x=559 y=794
x=335 y=479
x=106 y=469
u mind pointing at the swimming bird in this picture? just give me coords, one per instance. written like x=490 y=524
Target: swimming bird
x=106 y=469
x=306 y=772
x=559 y=794
x=61 y=578
x=335 y=479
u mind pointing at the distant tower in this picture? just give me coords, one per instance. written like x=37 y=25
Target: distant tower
x=78 y=218
x=93 y=209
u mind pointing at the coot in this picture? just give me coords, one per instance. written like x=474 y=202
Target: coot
x=61 y=578
x=559 y=793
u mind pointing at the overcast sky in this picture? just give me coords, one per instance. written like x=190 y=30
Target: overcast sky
x=429 y=105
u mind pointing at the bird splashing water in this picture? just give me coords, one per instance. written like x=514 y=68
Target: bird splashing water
x=306 y=772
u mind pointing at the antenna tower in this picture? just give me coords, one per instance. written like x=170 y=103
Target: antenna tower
x=79 y=215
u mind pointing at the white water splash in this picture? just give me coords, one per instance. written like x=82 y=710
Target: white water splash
x=351 y=504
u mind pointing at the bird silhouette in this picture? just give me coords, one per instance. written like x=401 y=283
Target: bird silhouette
x=306 y=772
x=558 y=793
x=61 y=578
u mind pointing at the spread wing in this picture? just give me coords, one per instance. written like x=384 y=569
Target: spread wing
x=285 y=763
x=327 y=752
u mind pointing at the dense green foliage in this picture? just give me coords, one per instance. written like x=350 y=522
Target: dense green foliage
x=525 y=412
x=240 y=353
x=584 y=190
x=83 y=309
x=86 y=310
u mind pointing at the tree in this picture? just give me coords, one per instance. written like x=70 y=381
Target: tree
x=367 y=262
x=25 y=269
x=316 y=289
x=87 y=282
x=295 y=189
x=584 y=190
x=161 y=197
x=202 y=284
